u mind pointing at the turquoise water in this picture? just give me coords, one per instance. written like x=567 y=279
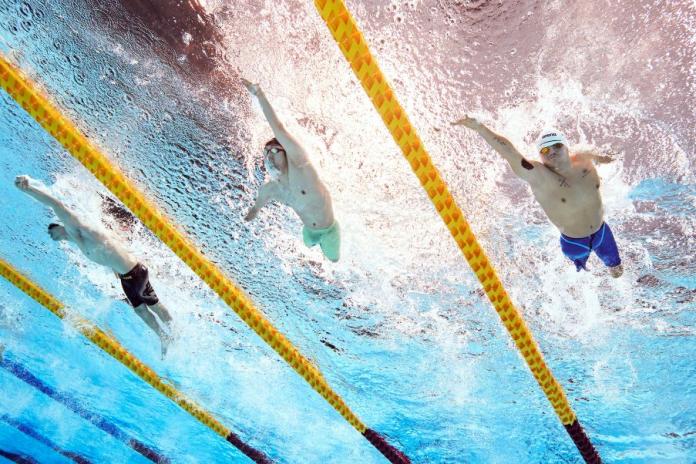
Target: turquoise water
x=398 y=327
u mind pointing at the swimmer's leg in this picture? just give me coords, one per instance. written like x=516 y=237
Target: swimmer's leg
x=330 y=244
x=149 y=297
x=577 y=250
x=604 y=245
x=164 y=316
x=161 y=311
x=149 y=318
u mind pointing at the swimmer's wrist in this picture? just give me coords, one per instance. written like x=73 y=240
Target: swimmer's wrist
x=35 y=185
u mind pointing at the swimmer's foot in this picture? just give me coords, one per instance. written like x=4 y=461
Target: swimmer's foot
x=166 y=340
x=616 y=271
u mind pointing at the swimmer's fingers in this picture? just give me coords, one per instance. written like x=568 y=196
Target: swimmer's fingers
x=467 y=121
x=22 y=182
x=251 y=87
x=251 y=214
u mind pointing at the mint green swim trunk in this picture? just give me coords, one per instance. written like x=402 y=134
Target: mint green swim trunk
x=329 y=240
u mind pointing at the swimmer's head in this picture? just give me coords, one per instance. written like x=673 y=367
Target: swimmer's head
x=552 y=146
x=57 y=231
x=275 y=158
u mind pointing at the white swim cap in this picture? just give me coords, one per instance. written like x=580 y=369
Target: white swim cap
x=550 y=137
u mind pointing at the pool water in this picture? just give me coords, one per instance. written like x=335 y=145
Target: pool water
x=398 y=327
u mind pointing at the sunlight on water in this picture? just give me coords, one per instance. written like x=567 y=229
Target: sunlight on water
x=399 y=327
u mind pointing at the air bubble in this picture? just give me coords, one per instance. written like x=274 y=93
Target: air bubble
x=26 y=10
x=26 y=25
x=74 y=60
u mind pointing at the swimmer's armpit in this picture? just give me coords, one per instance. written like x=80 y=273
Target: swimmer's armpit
x=527 y=165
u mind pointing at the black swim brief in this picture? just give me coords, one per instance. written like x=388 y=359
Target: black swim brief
x=136 y=284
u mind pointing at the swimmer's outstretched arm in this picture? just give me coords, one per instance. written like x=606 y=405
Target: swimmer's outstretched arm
x=293 y=149
x=38 y=191
x=519 y=164
x=267 y=192
x=593 y=155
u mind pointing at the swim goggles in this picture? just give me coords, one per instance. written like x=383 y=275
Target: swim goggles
x=546 y=150
x=274 y=150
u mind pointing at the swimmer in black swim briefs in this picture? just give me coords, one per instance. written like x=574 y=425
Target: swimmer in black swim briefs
x=102 y=248
x=136 y=285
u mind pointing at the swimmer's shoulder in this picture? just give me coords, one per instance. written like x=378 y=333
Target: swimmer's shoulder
x=533 y=171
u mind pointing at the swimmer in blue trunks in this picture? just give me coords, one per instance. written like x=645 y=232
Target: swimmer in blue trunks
x=566 y=186
x=100 y=247
x=294 y=182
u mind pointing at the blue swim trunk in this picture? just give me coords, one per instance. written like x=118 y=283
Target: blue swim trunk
x=601 y=242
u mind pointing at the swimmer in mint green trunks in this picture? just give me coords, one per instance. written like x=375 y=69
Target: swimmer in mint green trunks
x=294 y=182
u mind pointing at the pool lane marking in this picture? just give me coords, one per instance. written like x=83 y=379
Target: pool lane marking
x=30 y=432
x=353 y=45
x=17 y=458
x=25 y=93
x=71 y=403
x=114 y=349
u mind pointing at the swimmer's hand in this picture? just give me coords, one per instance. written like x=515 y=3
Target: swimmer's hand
x=253 y=89
x=468 y=121
x=251 y=215
x=596 y=156
x=22 y=182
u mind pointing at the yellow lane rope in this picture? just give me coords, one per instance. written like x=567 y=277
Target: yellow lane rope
x=354 y=47
x=114 y=349
x=24 y=92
